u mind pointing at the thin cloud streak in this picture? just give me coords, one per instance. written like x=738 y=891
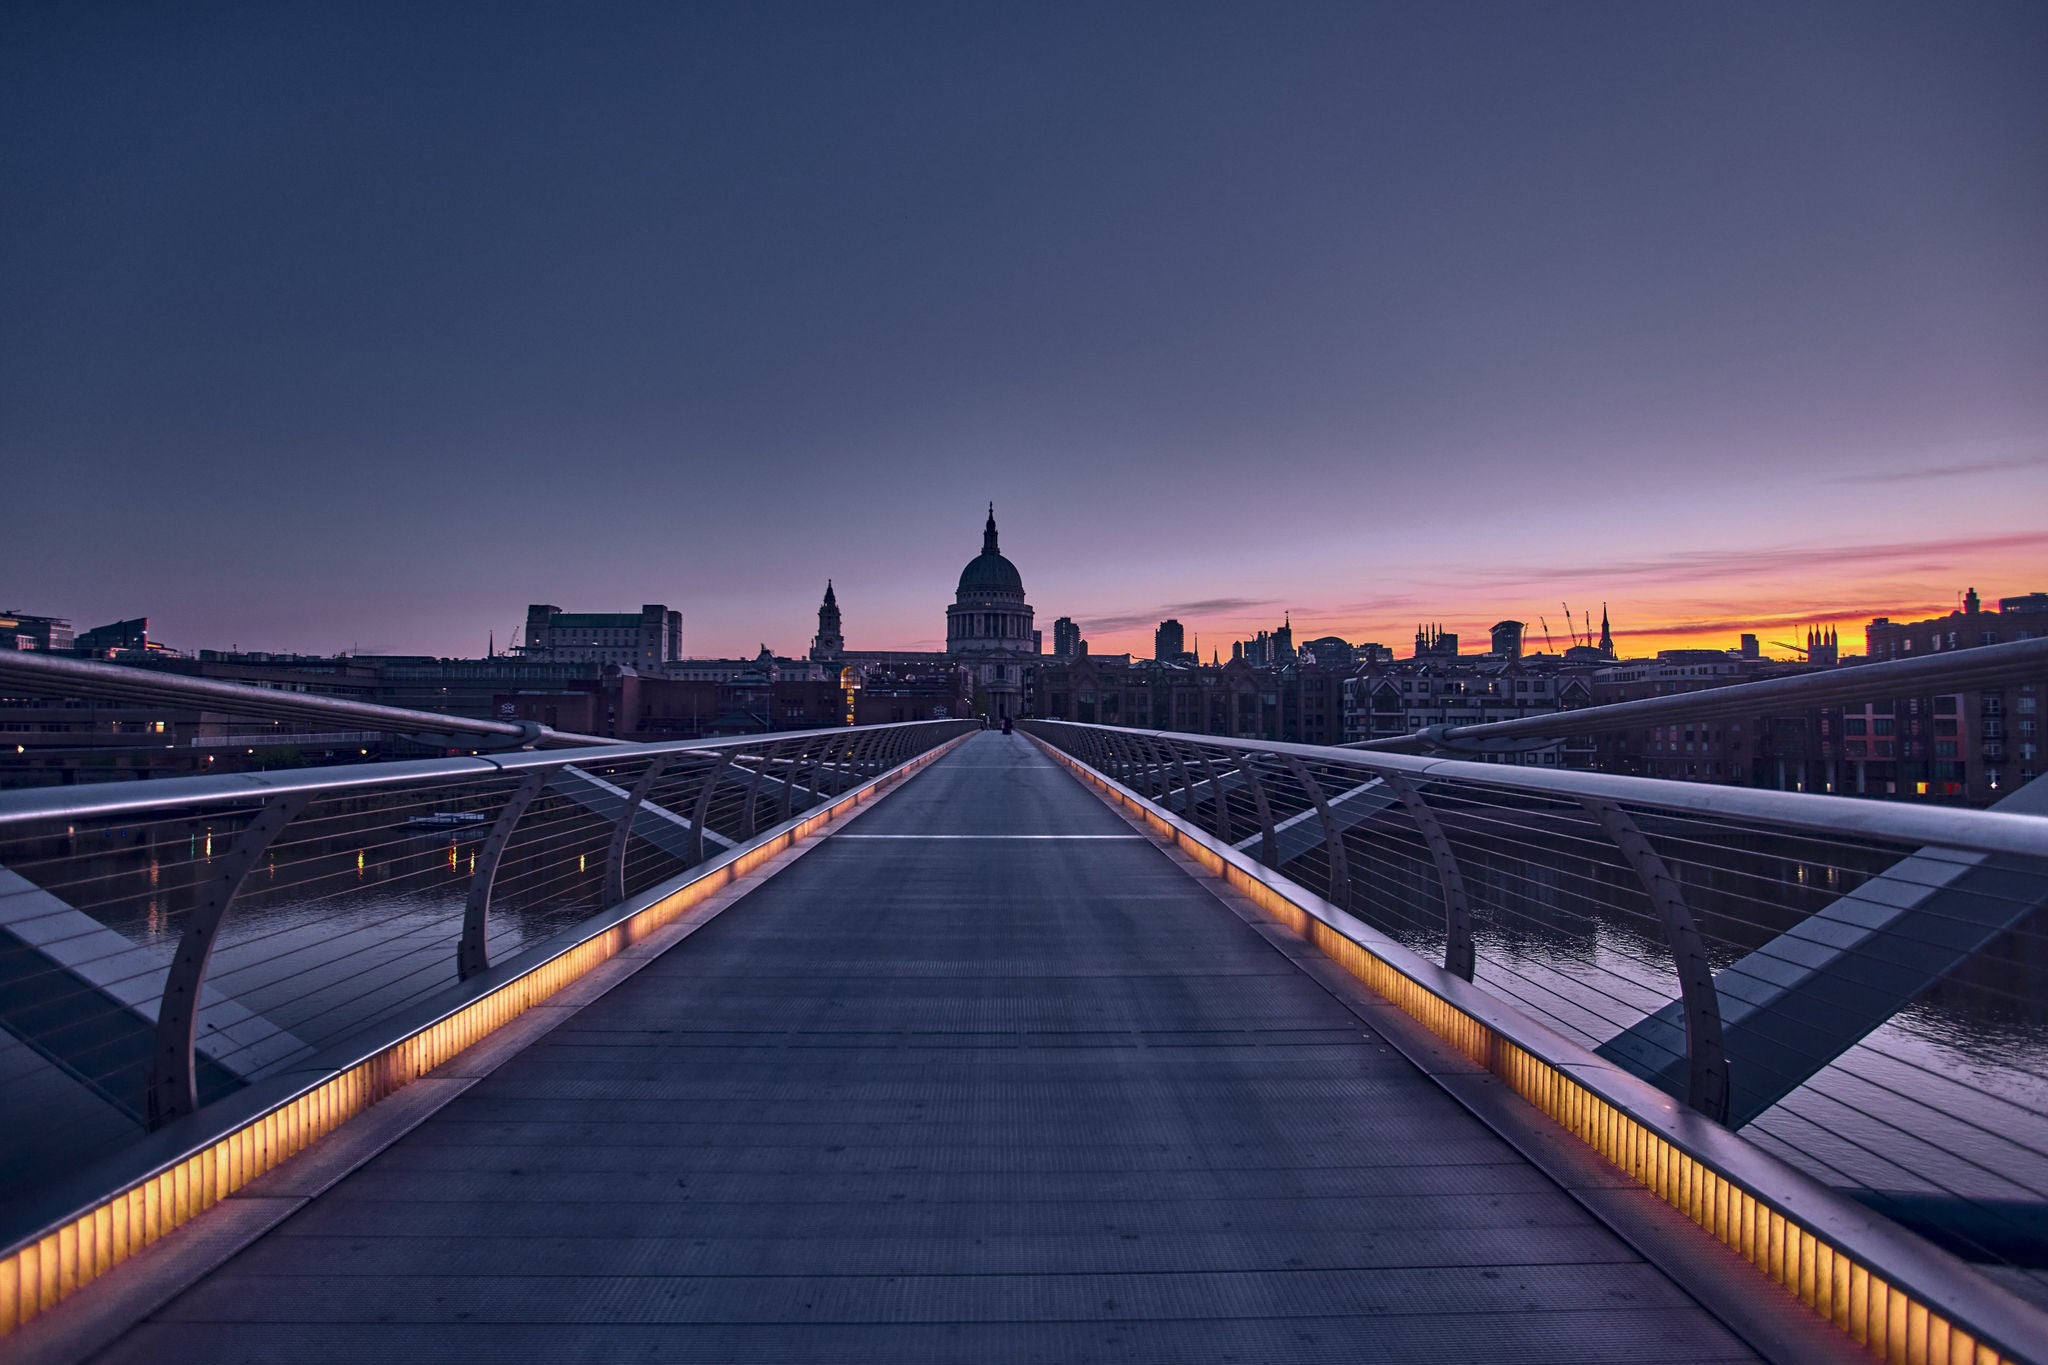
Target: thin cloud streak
x=1783 y=620
x=1207 y=607
x=1950 y=471
x=1693 y=566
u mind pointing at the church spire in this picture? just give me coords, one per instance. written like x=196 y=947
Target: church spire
x=1606 y=633
x=829 y=643
x=988 y=533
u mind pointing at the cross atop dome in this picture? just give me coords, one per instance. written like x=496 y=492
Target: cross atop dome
x=988 y=533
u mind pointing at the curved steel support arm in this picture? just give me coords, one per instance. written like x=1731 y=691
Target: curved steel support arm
x=702 y=810
x=1187 y=785
x=1269 y=843
x=786 y=755
x=1333 y=838
x=1113 y=755
x=864 y=747
x=1154 y=770
x=1458 y=952
x=1219 y=797
x=615 y=855
x=750 y=820
x=818 y=754
x=1133 y=763
x=471 y=954
x=1706 y=1057
x=173 y=1072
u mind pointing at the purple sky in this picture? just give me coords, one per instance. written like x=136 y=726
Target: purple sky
x=339 y=327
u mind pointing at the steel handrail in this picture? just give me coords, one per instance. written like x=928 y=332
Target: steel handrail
x=1975 y=831
x=52 y=676
x=28 y=804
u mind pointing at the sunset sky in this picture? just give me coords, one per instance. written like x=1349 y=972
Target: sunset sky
x=362 y=328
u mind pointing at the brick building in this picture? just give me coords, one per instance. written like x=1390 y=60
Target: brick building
x=1974 y=745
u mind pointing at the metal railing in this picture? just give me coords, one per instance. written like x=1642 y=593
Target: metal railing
x=164 y=945
x=1860 y=987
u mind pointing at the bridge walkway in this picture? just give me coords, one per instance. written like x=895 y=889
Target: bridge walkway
x=986 y=1076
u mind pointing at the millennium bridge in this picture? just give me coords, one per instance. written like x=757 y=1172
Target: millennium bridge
x=928 y=1042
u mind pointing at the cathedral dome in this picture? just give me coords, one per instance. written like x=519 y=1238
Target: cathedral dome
x=989 y=572
x=989 y=616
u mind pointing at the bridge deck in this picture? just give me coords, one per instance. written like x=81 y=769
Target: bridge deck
x=944 y=1096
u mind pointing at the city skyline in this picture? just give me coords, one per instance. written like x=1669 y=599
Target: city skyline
x=1462 y=611
x=368 y=329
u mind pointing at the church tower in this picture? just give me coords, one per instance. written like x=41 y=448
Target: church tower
x=1606 y=633
x=829 y=644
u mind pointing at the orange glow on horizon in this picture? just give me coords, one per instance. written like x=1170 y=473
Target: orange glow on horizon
x=1780 y=634
x=1657 y=598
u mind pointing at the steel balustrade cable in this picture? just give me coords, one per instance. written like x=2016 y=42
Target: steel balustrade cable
x=1777 y=929
x=440 y=969
x=69 y=889
x=1623 y=874
x=347 y=888
x=1548 y=1003
x=329 y=952
x=1630 y=912
x=1631 y=1005
x=349 y=878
